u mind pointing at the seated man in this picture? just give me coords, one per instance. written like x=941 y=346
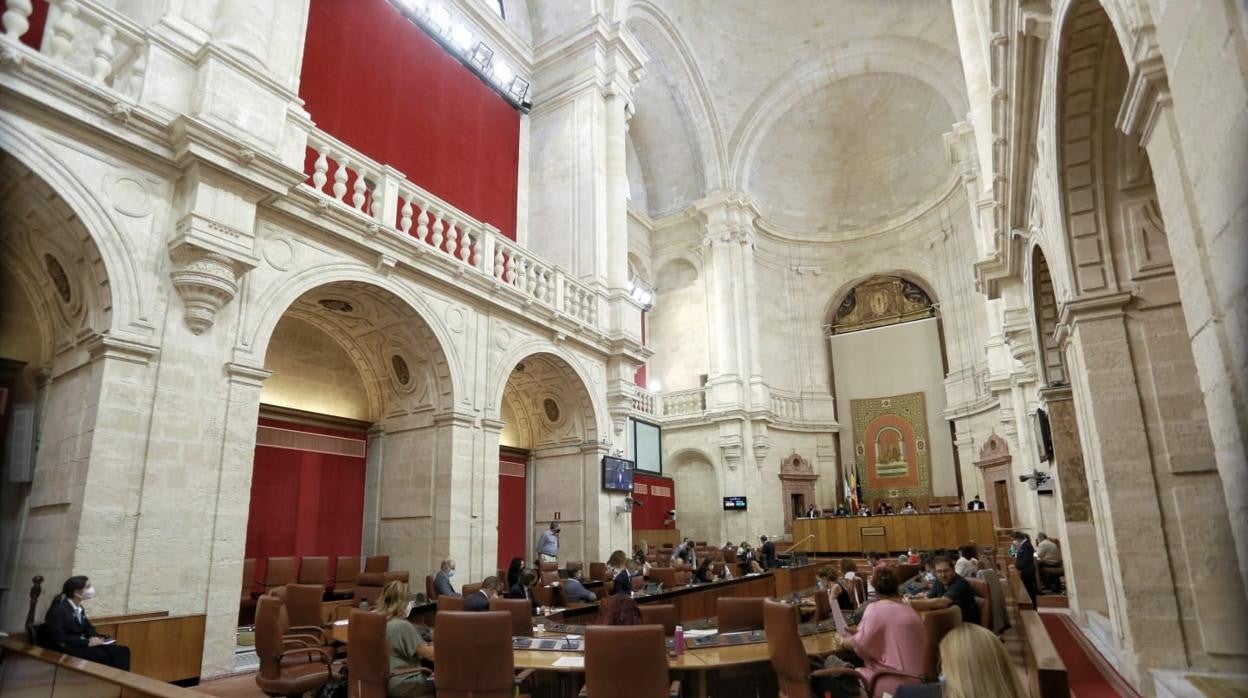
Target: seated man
x=948 y=590
x=442 y=580
x=480 y=599
x=1049 y=560
x=967 y=564
x=574 y=588
x=841 y=510
x=524 y=589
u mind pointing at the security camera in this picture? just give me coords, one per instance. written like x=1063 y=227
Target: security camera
x=1024 y=478
x=634 y=502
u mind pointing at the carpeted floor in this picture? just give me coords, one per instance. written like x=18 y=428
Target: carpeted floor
x=1088 y=673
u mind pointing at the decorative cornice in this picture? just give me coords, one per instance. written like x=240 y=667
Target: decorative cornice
x=205 y=279
x=128 y=350
x=464 y=420
x=246 y=374
x=1087 y=309
x=1147 y=96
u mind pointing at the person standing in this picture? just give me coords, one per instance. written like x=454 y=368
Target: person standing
x=67 y=630
x=1025 y=561
x=548 y=544
x=769 y=553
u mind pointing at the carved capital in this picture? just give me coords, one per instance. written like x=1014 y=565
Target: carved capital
x=205 y=280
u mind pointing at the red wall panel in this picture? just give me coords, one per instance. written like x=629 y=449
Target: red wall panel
x=654 y=508
x=512 y=506
x=377 y=82
x=303 y=502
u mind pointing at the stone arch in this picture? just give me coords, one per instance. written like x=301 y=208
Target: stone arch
x=123 y=304
x=698 y=513
x=842 y=292
x=595 y=429
x=915 y=58
x=1044 y=312
x=257 y=329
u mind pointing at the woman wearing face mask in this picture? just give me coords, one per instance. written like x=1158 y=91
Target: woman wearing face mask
x=407 y=647
x=66 y=628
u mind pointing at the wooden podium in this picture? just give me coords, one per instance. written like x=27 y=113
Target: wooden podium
x=898 y=532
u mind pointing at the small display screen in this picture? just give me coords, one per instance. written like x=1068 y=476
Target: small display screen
x=734 y=503
x=617 y=474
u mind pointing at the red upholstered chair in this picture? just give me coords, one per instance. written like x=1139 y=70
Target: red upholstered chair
x=368 y=662
x=474 y=656
x=737 y=614
x=288 y=665
x=627 y=661
x=598 y=572
x=521 y=614
x=280 y=571
x=377 y=563
x=346 y=574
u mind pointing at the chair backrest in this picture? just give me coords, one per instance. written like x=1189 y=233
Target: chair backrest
x=938 y=624
x=984 y=600
x=269 y=636
x=860 y=592
x=784 y=647
x=314 y=570
x=368 y=662
x=346 y=571
x=598 y=571
x=431 y=592
x=823 y=605
x=625 y=661
x=249 y=577
x=574 y=566
x=303 y=604
x=521 y=614
x=737 y=614
x=549 y=576
x=907 y=572
x=545 y=595
x=280 y=571
x=400 y=575
x=469 y=589
x=449 y=603
x=368 y=587
x=664 y=575
x=639 y=582
x=474 y=655
x=663 y=614
x=377 y=563
x=548 y=567
x=730 y=557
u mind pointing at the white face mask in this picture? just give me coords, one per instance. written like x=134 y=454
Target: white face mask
x=450 y=573
x=88 y=593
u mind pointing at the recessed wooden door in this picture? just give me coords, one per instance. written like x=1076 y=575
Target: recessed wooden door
x=1001 y=488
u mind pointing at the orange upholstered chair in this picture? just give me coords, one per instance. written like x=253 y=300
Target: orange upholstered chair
x=627 y=661
x=660 y=614
x=521 y=614
x=368 y=662
x=475 y=658
x=346 y=573
x=280 y=571
x=377 y=563
x=288 y=665
x=737 y=614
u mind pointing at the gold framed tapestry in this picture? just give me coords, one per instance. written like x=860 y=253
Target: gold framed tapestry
x=891 y=445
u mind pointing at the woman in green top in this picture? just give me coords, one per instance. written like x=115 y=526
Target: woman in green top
x=407 y=647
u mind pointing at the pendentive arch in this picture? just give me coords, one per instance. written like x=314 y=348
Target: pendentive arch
x=595 y=428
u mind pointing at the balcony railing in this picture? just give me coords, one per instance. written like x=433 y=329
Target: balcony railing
x=352 y=182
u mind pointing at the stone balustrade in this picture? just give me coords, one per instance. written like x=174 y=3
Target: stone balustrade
x=786 y=407
x=644 y=402
x=89 y=38
x=684 y=403
x=351 y=181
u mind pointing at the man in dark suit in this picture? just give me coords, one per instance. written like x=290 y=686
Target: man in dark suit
x=1025 y=561
x=480 y=600
x=67 y=630
x=975 y=504
x=769 y=553
x=524 y=589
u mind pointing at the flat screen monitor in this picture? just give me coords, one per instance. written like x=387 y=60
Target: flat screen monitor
x=734 y=503
x=617 y=474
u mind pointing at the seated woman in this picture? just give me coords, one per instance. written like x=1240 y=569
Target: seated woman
x=890 y=636
x=623 y=581
x=909 y=508
x=974 y=664
x=514 y=570
x=703 y=573
x=407 y=647
x=67 y=630
x=620 y=609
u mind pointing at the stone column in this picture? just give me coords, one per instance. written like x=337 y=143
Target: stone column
x=1142 y=602
x=1085 y=582
x=374 y=457
x=456 y=524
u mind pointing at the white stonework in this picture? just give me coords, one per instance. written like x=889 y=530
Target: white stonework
x=169 y=265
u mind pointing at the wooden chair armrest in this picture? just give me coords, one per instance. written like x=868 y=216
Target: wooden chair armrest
x=300 y=641
x=296 y=651
x=305 y=630
x=524 y=675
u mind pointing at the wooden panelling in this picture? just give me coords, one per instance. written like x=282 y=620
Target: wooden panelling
x=791 y=579
x=34 y=671
x=860 y=534
x=656 y=537
x=692 y=602
x=163 y=647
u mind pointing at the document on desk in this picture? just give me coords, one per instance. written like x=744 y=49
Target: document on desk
x=570 y=663
x=700 y=633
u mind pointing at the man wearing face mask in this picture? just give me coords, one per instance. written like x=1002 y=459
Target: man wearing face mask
x=66 y=628
x=442 y=580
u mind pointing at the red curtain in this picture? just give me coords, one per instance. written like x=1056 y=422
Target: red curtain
x=379 y=83
x=654 y=507
x=512 y=495
x=305 y=503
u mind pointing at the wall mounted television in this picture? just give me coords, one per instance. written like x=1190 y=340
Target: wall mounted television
x=734 y=503
x=617 y=474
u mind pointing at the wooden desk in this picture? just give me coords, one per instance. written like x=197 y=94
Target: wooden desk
x=162 y=647
x=791 y=579
x=859 y=534
x=691 y=602
x=35 y=671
